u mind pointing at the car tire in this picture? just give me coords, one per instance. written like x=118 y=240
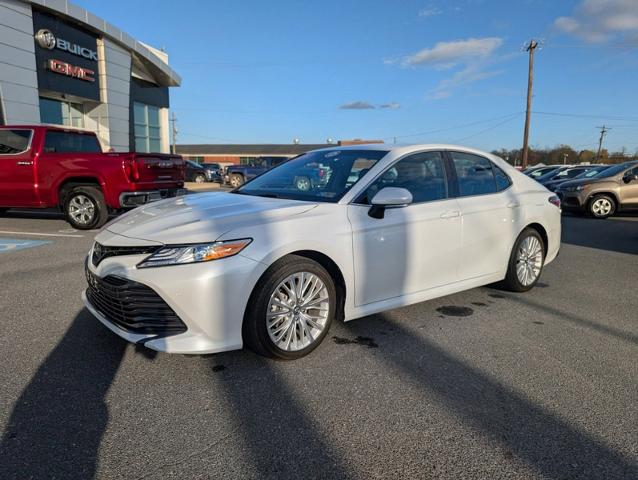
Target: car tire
x=601 y=206
x=236 y=180
x=526 y=262
x=303 y=184
x=268 y=330
x=200 y=178
x=85 y=208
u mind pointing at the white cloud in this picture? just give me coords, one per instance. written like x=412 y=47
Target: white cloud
x=471 y=58
x=601 y=20
x=448 y=54
x=390 y=106
x=430 y=11
x=358 y=105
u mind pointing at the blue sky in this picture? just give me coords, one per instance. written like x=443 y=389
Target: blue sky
x=423 y=71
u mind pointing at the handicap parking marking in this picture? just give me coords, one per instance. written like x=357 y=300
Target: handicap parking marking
x=15 y=244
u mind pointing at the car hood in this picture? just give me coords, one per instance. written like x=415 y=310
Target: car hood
x=203 y=217
x=587 y=181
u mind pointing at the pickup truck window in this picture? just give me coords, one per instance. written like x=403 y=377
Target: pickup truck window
x=13 y=142
x=59 y=142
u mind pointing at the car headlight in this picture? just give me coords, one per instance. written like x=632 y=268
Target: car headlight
x=185 y=254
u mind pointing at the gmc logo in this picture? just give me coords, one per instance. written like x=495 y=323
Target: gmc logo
x=69 y=70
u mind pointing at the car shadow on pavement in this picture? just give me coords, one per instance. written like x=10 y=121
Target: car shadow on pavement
x=545 y=442
x=57 y=423
x=281 y=439
x=612 y=234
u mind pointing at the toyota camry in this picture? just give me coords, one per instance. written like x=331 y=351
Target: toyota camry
x=270 y=265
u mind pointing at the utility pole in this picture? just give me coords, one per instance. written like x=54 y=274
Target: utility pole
x=174 y=131
x=529 y=47
x=603 y=132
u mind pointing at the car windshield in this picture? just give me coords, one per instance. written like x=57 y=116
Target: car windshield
x=611 y=171
x=320 y=176
x=542 y=171
x=592 y=172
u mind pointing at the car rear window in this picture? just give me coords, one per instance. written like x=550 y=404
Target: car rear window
x=61 y=142
x=14 y=141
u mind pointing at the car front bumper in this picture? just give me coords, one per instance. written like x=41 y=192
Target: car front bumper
x=572 y=200
x=209 y=298
x=135 y=199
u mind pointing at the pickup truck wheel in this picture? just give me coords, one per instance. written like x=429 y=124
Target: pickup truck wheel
x=200 y=179
x=303 y=184
x=85 y=208
x=236 y=180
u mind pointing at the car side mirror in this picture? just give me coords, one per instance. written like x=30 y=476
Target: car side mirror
x=389 y=197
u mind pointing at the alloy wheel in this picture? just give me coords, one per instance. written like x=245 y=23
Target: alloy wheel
x=529 y=260
x=297 y=311
x=601 y=207
x=82 y=209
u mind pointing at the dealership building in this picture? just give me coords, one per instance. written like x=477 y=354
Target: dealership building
x=60 y=64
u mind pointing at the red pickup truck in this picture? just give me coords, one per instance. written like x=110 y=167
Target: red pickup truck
x=45 y=166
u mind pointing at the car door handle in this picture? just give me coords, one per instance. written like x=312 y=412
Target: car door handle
x=451 y=214
x=24 y=163
x=513 y=205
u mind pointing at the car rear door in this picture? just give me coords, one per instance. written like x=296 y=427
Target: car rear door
x=412 y=248
x=489 y=210
x=17 y=169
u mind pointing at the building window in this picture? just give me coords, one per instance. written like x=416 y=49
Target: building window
x=147 y=128
x=247 y=160
x=58 y=112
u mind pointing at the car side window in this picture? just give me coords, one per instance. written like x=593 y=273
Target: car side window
x=65 y=142
x=422 y=174
x=503 y=182
x=474 y=173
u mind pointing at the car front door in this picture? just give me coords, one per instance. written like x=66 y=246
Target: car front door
x=629 y=189
x=17 y=169
x=489 y=210
x=412 y=248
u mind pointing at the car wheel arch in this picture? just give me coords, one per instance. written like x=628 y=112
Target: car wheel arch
x=542 y=231
x=326 y=262
x=612 y=195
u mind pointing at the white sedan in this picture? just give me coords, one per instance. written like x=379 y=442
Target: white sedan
x=270 y=265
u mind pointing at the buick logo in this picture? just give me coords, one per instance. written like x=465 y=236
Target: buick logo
x=46 y=39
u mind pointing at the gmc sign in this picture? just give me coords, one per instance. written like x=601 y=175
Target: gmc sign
x=69 y=70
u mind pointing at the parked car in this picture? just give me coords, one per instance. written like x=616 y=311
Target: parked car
x=590 y=172
x=563 y=175
x=541 y=177
x=240 y=174
x=195 y=172
x=271 y=266
x=614 y=189
x=536 y=173
x=57 y=167
x=213 y=172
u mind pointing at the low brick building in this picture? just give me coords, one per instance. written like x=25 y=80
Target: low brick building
x=235 y=154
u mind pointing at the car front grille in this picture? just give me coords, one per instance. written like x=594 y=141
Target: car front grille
x=132 y=306
x=100 y=252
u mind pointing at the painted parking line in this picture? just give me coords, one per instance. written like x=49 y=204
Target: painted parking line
x=14 y=244
x=38 y=234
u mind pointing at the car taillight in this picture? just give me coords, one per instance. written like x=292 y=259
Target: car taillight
x=131 y=170
x=554 y=200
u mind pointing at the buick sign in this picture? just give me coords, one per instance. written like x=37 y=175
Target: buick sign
x=46 y=39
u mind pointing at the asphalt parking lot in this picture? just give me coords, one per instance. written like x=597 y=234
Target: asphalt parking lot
x=481 y=384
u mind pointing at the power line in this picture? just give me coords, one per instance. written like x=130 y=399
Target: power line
x=489 y=128
x=455 y=127
x=584 y=115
